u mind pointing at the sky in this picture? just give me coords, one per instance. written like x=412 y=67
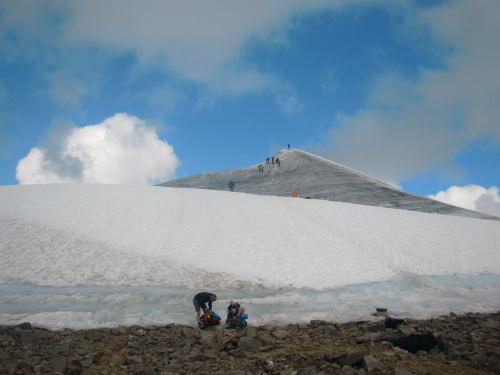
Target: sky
x=127 y=93
x=94 y=255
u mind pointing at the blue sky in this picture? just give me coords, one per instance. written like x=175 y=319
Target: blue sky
x=142 y=92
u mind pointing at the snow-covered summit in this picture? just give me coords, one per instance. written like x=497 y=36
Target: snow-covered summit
x=317 y=178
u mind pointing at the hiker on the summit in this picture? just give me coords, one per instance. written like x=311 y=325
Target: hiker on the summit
x=267 y=161
x=273 y=159
x=231 y=185
x=199 y=301
x=235 y=310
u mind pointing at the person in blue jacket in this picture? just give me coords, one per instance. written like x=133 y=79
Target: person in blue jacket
x=200 y=302
x=236 y=316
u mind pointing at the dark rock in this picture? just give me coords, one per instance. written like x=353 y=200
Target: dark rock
x=29 y=337
x=59 y=364
x=280 y=334
x=334 y=357
x=369 y=337
x=416 y=342
x=490 y=323
x=405 y=330
x=372 y=364
x=249 y=344
x=353 y=358
x=316 y=323
x=25 y=325
x=196 y=355
x=93 y=336
x=266 y=339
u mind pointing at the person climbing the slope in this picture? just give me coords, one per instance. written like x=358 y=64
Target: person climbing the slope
x=199 y=301
x=236 y=316
x=231 y=185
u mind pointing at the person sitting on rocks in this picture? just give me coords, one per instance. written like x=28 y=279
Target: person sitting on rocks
x=236 y=316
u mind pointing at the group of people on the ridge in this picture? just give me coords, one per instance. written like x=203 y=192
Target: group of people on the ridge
x=278 y=162
x=235 y=318
x=231 y=185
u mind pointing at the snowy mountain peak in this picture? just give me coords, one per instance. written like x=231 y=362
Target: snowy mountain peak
x=317 y=178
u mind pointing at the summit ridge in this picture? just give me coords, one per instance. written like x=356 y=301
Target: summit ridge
x=314 y=177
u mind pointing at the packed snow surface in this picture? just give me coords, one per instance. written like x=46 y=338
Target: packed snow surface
x=103 y=255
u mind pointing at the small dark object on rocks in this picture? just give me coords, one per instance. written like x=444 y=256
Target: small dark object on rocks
x=392 y=321
x=416 y=342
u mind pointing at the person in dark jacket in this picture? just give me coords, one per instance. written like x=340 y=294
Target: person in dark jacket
x=231 y=185
x=200 y=302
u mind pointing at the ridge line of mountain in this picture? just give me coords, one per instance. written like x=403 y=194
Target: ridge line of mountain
x=307 y=175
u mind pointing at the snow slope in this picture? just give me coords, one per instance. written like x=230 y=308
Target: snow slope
x=164 y=244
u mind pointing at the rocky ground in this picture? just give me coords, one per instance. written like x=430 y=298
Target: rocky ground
x=472 y=346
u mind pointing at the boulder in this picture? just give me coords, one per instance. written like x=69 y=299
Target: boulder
x=59 y=364
x=353 y=358
x=280 y=334
x=372 y=364
x=249 y=344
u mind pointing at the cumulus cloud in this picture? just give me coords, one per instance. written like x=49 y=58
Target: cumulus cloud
x=472 y=197
x=122 y=149
x=202 y=42
x=415 y=123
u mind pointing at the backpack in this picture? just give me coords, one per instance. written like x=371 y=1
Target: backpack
x=238 y=322
x=210 y=320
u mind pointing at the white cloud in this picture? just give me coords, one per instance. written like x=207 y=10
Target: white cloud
x=472 y=197
x=195 y=38
x=121 y=150
x=412 y=124
x=201 y=42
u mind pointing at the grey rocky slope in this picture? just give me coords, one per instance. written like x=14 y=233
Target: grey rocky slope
x=470 y=346
x=317 y=178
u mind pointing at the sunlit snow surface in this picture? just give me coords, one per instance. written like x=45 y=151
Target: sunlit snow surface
x=103 y=255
